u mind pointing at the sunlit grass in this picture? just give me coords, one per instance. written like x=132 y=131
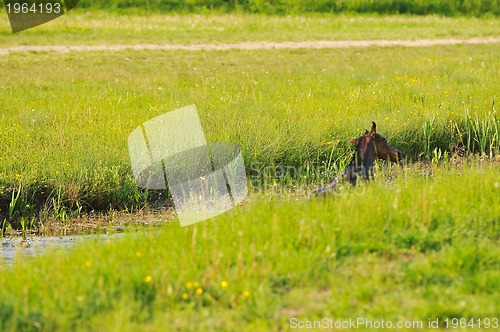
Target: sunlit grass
x=64 y=127
x=403 y=246
x=82 y=27
x=419 y=242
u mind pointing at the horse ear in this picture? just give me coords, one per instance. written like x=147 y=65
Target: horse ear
x=355 y=141
x=373 y=132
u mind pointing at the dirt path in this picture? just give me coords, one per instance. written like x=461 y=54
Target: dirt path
x=257 y=45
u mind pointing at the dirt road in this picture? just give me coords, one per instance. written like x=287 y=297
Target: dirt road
x=257 y=45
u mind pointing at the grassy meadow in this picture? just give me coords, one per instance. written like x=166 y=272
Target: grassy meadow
x=103 y=27
x=419 y=242
x=422 y=247
x=65 y=122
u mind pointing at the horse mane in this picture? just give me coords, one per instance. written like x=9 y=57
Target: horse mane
x=356 y=150
x=358 y=143
x=358 y=164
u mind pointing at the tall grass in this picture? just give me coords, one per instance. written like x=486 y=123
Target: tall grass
x=64 y=127
x=419 y=7
x=480 y=133
x=405 y=247
x=419 y=243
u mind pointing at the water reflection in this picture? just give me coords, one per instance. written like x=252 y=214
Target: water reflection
x=18 y=249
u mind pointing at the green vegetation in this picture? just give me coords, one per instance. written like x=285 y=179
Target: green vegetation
x=423 y=245
x=419 y=7
x=65 y=125
x=103 y=27
x=419 y=242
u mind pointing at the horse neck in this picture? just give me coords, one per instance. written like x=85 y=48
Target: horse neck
x=361 y=157
x=361 y=163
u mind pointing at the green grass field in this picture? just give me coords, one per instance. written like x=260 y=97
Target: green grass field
x=416 y=249
x=65 y=124
x=419 y=242
x=102 y=27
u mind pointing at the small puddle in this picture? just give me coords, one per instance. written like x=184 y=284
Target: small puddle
x=18 y=249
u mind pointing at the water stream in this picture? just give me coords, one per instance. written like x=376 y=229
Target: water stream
x=17 y=249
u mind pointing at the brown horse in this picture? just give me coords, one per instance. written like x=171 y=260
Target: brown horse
x=369 y=147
